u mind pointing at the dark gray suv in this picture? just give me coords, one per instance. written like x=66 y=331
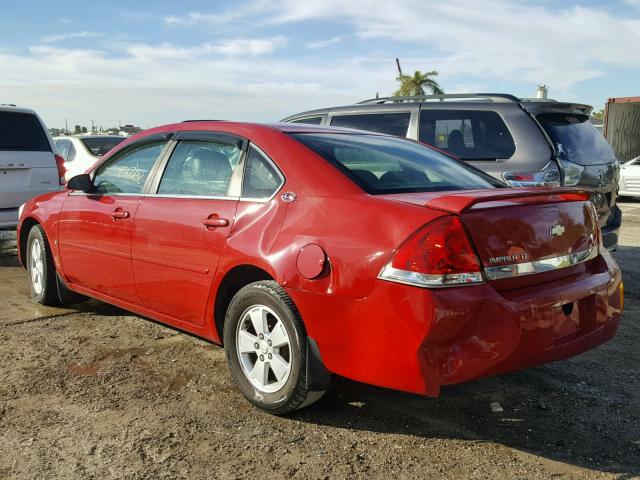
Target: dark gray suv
x=523 y=142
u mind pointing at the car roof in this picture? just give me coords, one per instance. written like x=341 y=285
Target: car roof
x=5 y=107
x=453 y=101
x=238 y=127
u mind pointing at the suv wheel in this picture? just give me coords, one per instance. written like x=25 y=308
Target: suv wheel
x=265 y=346
x=40 y=268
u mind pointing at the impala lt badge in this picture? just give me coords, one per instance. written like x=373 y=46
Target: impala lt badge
x=557 y=230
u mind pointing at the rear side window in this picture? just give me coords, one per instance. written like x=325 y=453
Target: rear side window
x=390 y=123
x=99 y=146
x=261 y=179
x=467 y=134
x=128 y=172
x=199 y=168
x=381 y=164
x=576 y=139
x=308 y=120
x=22 y=132
x=63 y=148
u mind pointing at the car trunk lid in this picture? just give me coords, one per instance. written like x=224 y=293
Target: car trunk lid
x=518 y=232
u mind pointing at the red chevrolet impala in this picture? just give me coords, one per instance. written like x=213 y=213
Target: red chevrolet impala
x=311 y=251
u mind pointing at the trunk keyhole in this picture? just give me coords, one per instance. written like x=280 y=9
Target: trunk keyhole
x=567 y=308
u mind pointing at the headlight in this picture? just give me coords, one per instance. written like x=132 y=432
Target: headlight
x=572 y=172
x=549 y=176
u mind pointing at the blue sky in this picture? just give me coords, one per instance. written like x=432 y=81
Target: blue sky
x=154 y=62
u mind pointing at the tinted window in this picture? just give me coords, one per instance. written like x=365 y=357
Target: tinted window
x=22 y=131
x=467 y=134
x=390 y=123
x=391 y=165
x=199 y=168
x=308 y=120
x=98 y=146
x=576 y=139
x=261 y=180
x=128 y=172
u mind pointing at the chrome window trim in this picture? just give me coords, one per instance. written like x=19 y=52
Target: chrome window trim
x=513 y=270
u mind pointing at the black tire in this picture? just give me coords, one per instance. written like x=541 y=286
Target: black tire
x=42 y=279
x=294 y=394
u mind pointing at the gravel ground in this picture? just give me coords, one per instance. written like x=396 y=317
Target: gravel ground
x=100 y=393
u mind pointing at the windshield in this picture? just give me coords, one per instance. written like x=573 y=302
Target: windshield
x=98 y=146
x=576 y=139
x=381 y=164
x=22 y=131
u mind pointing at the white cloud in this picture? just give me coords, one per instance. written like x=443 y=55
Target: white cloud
x=496 y=39
x=66 y=36
x=324 y=43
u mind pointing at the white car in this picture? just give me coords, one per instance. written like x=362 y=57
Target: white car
x=80 y=152
x=29 y=165
x=630 y=178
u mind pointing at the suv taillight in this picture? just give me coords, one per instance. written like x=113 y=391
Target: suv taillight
x=62 y=170
x=437 y=255
x=549 y=176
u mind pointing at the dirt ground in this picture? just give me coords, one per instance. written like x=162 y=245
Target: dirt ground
x=100 y=393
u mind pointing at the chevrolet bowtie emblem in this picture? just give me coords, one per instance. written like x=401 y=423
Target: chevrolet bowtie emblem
x=557 y=230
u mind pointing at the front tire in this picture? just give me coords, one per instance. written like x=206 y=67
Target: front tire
x=265 y=346
x=40 y=268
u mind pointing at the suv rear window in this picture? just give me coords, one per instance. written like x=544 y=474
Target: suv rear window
x=390 y=123
x=576 y=139
x=380 y=164
x=98 y=146
x=22 y=131
x=467 y=134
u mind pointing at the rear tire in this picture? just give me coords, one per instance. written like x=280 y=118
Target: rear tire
x=40 y=268
x=265 y=346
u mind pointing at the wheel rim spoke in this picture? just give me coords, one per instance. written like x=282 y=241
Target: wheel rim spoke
x=278 y=335
x=260 y=373
x=246 y=342
x=279 y=366
x=259 y=321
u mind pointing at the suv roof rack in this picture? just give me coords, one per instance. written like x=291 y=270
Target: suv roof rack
x=494 y=97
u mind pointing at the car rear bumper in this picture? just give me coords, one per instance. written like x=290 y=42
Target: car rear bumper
x=611 y=230
x=415 y=339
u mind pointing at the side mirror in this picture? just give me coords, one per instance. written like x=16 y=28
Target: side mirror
x=80 y=182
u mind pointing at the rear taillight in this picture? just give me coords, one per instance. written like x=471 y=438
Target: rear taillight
x=62 y=170
x=437 y=255
x=549 y=176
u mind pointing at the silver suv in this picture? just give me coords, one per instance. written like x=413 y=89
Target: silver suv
x=523 y=142
x=29 y=165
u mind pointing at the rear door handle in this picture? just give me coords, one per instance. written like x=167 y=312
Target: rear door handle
x=118 y=214
x=215 y=222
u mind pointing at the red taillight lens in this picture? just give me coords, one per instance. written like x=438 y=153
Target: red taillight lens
x=438 y=254
x=62 y=170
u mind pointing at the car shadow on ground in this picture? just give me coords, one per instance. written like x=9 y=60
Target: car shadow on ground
x=583 y=411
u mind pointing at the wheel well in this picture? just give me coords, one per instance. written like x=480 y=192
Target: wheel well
x=233 y=281
x=27 y=225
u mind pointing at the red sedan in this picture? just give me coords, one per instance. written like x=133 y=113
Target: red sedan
x=311 y=251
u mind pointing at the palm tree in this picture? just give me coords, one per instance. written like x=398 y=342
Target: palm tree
x=416 y=84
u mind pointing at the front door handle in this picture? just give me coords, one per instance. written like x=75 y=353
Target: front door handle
x=215 y=222
x=118 y=214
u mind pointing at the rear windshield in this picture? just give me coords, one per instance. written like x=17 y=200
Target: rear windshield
x=576 y=139
x=99 y=146
x=381 y=164
x=22 y=131
x=390 y=123
x=467 y=134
